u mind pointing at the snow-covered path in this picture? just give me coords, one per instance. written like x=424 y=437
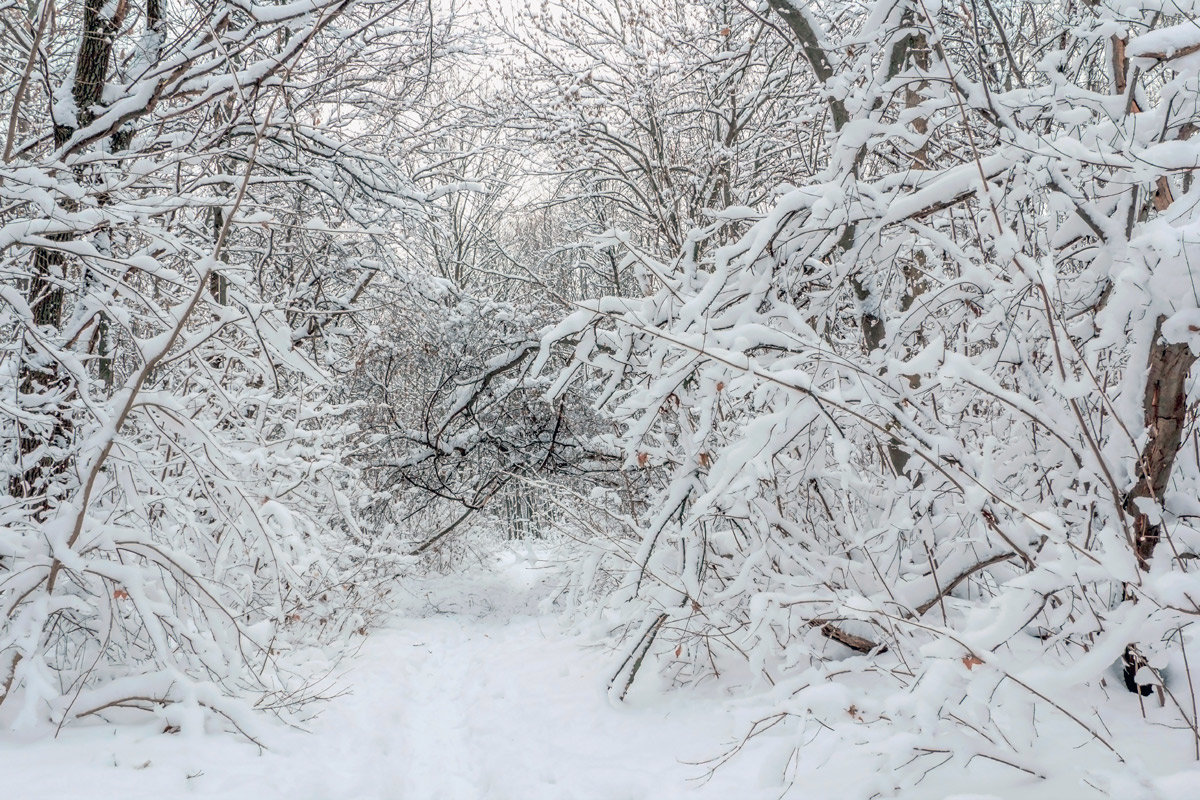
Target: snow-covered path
x=475 y=704
x=484 y=711
x=461 y=709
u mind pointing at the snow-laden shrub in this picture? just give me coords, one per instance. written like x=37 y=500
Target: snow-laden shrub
x=183 y=246
x=927 y=425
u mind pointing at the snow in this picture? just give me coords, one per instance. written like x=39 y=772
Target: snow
x=476 y=691
x=465 y=697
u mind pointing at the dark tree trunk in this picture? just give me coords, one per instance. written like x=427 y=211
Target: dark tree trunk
x=43 y=382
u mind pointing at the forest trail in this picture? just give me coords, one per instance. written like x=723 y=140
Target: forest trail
x=474 y=710
x=471 y=698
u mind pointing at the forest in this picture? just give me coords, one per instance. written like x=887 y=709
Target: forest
x=599 y=399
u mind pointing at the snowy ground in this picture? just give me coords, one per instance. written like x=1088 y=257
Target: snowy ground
x=472 y=695
x=468 y=699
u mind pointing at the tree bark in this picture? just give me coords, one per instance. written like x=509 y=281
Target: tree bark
x=1164 y=408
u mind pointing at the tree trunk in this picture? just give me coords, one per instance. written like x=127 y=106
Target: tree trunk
x=1164 y=407
x=42 y=380
x=1164 y=403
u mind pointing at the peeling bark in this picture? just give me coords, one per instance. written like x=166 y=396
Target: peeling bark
x=1165 y=409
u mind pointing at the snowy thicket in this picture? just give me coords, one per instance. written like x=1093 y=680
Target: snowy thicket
x=193 y=199
x=926 y=423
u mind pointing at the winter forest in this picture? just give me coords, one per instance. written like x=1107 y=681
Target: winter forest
x=599 y=399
